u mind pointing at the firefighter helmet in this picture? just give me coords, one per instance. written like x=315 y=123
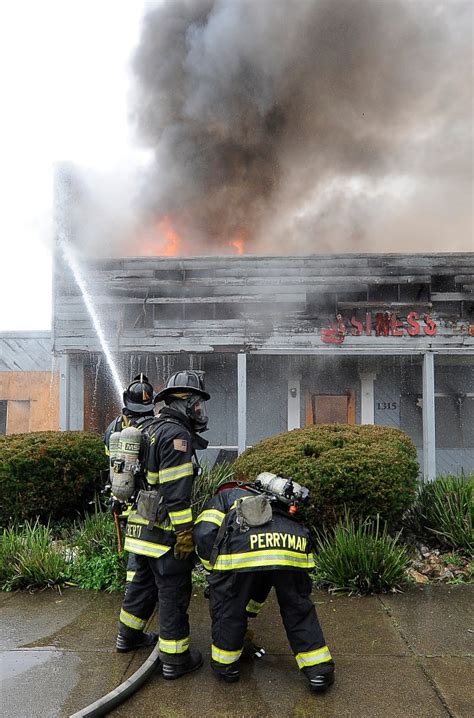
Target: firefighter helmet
x=139 y=395
x=182 y=383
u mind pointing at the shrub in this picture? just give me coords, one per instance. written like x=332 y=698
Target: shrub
x=360 y=557
x=368 y=470
x=444 y=512
x=48 y=474
x=96 y=564
x=29 y=558
x=99 y=572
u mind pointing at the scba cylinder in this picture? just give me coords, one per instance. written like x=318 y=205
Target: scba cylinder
x=126 y=463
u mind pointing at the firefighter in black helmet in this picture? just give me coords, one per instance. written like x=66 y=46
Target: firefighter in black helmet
x=159 y=529
x=138 y=410
x=251 y=541
x=138 y=401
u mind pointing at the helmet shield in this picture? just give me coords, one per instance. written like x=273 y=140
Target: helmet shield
x=139 y=395
x=197 y=414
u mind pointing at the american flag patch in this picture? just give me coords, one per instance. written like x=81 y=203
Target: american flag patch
x=180 y=444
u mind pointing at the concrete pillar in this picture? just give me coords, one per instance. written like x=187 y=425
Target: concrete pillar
x=294 y=403
x=241 y=402
x=64 y=396
x=367 y=397
x=429 y=426
x=71 y=393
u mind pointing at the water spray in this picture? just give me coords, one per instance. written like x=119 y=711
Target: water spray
x=71 y=260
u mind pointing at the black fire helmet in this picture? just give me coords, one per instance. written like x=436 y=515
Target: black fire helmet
x=139 y=395
x=187 y=381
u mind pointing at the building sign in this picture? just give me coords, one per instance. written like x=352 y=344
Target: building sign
x=382 y=324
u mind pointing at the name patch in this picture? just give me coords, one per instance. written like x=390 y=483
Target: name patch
x=133 y=530
x=180 y=445
x=278 y=540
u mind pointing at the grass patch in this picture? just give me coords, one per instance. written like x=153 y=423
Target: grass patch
x=444 y=512
x=94 y=534
x=29 y=558
x=359 y=556
x=206 y=485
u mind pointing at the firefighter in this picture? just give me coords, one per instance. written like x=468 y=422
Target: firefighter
x=138 y=410
x=159 y=529
x=250 y=541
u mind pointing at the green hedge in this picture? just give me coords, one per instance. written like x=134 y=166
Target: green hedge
x=367 y=470
x=48 y=474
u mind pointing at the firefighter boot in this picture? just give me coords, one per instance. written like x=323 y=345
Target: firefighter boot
x=320 y=677
x=229 y=674
x=251 y=649
x=193 y=661
x=142 y=640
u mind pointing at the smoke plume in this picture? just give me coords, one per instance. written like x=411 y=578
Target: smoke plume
x=308 y=125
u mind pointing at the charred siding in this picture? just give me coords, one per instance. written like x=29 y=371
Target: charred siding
x=272 y=304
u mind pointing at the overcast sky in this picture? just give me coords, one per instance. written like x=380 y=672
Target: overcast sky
x=64 y=81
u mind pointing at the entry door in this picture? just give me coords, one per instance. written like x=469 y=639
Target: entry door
x=331 y=409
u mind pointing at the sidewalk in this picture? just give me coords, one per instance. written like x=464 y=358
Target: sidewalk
x=397 y=656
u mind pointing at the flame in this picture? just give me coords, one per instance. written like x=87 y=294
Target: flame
x=238 y=243
x=172 y=239
x=161 y=239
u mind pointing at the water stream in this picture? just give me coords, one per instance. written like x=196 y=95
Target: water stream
x=71 y=260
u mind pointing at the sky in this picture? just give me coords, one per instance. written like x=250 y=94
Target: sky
x=64 y=79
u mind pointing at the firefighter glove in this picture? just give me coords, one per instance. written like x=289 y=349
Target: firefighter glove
x=184 y=545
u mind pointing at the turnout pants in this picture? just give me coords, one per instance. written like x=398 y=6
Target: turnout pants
x=155 y=581
x=234 y=594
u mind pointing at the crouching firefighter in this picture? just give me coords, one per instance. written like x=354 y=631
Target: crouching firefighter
x=249 y=538
x=125 y=447
x=159 y=527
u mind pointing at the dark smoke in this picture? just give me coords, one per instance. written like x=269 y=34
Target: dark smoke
x=309 y=125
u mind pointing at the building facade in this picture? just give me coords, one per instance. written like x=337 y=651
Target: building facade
x=29 y=383
x=284 y=341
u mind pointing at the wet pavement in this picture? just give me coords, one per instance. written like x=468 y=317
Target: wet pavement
x=397 y=655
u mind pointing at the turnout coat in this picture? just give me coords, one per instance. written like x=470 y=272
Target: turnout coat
x=225 y=545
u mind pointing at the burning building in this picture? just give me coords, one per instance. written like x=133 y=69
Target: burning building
x=285 y=341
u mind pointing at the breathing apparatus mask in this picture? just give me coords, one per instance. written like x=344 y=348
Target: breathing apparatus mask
x=193 y=407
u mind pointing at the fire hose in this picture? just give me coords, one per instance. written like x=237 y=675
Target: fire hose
x=103 y=705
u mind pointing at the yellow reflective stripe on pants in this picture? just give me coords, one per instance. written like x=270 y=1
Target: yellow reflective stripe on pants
x=312 y=658
x=176 y=472
x=145 y=548
x=168 y=646
x=181 y=517
x=254 y=606
x=219 y=655
x=132 y=621
x=214 y=516
x=264 y=557
x=130 y=576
